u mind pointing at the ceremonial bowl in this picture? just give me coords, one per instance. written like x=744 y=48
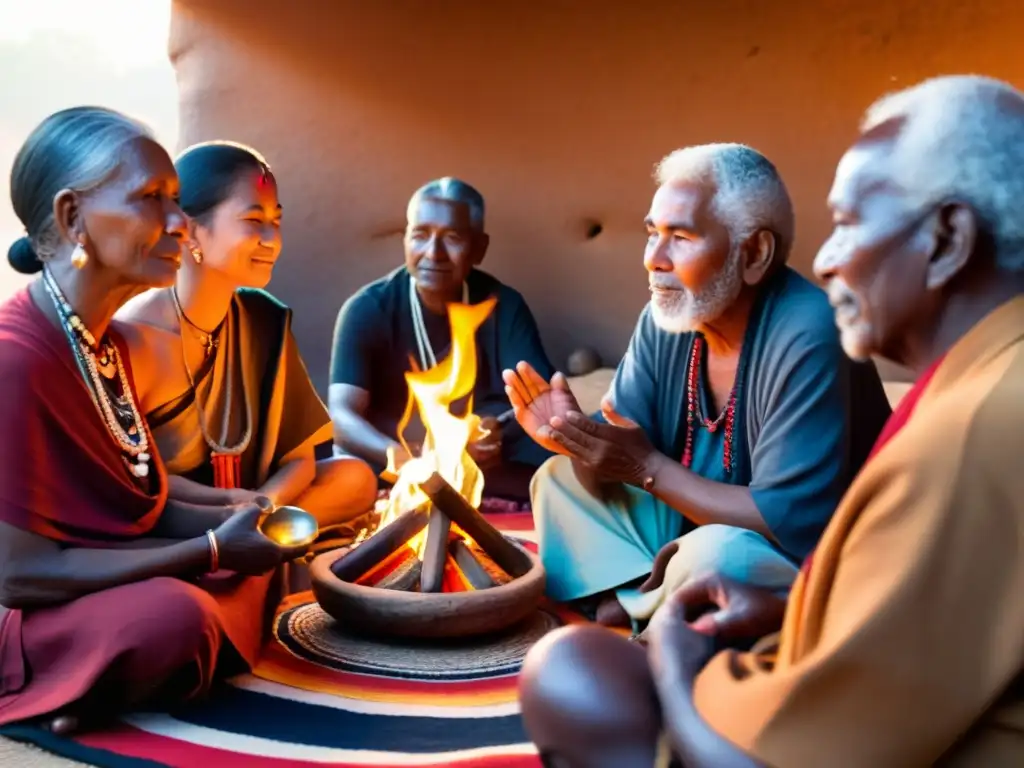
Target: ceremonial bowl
x=428 y=615
x=290 y=527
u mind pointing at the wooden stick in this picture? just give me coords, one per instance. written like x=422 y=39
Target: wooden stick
x=435 y=552
x=494 y=571
x=475 y=525
x=405 y=577
x=380 y=570
x=360 y=559
x=471 y=568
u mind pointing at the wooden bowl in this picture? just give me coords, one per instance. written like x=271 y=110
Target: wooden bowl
x=388 y=612
x=290 y=527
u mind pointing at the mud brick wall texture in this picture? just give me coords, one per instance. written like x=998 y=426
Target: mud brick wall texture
x=556 y=111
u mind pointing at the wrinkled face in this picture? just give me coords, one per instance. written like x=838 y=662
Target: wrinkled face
x=131 y=223
x=875 y=264
x=441 y=246
x=241 y=238
x=695 y=272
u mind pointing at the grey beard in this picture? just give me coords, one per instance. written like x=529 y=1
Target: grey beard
x=689 y=311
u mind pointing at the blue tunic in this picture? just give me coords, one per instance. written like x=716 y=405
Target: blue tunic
x=806 y=417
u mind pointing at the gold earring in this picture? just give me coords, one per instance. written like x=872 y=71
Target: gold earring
x=197 y=255
x=79 y=257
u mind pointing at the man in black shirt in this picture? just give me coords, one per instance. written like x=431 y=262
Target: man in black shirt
x=403 y=316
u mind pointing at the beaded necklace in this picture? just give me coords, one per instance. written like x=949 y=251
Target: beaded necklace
x=694 y=412
x=106 y=381
x=226 y=460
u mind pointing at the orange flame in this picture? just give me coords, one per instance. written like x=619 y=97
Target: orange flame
x=431 y=394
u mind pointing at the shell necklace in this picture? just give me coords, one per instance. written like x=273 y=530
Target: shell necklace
x=105 y=379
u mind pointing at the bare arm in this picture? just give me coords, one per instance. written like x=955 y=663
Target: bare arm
x=36 y=572
x=693 y=739
x=348 y=406
x=620 y=450
x=182 y=520
x=675 y=655
x=703 y=501
x=181 y=489
x=295 y=474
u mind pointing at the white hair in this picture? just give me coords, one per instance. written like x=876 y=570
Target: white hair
x=750 y=194
x=961 y=138
x=455 y=190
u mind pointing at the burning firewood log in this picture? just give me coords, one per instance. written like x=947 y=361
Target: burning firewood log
x=435 y=552
x=361 y=558
x=405 y=577
x=474 y=571
x=461 y=512
x=494 y=572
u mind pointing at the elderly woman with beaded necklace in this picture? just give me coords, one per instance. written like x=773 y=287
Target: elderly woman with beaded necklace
x=112 y=595
x=231 y=406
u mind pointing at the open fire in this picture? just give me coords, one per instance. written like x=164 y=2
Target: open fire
x=431 y=538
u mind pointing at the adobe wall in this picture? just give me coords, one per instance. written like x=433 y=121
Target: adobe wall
x=556 y=111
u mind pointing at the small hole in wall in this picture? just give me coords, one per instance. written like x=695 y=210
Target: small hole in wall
x=593 y=229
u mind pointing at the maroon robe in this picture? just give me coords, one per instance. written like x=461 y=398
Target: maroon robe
x=62 y=477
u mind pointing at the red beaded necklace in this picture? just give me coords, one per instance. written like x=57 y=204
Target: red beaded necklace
x=694 y=413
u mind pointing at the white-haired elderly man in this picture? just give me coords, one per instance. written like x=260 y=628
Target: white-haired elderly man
x=902 y=642
x=734 y=423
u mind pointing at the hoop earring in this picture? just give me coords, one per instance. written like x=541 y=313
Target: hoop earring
x=197 y=255
x=79 y=256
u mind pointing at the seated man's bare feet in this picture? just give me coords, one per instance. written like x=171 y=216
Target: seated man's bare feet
x=610 y=612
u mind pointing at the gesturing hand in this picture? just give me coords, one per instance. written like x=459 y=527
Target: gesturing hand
x=724 y=608
x=617 y=451
x=243 y=548
x=674 y=649
x=536 y=402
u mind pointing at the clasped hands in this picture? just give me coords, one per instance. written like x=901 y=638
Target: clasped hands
x=618 y=451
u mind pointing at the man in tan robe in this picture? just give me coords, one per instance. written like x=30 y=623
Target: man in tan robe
x=902 y=642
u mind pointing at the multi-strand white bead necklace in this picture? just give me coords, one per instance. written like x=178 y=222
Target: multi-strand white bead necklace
x=102 y=369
